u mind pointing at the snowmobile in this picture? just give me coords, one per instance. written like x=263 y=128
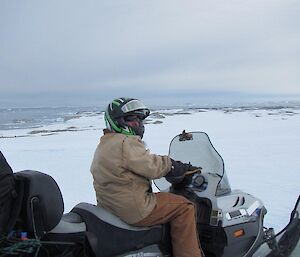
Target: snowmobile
x=229 y=222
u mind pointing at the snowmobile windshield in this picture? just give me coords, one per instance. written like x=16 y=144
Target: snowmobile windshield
x=196 y=148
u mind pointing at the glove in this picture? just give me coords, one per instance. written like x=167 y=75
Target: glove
x=178 y=171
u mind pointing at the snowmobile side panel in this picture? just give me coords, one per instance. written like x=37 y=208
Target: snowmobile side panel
x=239 y=245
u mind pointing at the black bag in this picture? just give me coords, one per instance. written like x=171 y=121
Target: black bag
x=8 y=195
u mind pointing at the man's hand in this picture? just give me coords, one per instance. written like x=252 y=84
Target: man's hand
x=179 y=170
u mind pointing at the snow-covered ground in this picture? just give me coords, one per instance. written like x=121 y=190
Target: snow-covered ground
x=260 y=148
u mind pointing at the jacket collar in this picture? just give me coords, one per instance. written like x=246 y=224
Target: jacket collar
x=107 y=131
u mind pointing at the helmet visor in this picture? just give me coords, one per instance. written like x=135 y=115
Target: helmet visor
x=135 y=105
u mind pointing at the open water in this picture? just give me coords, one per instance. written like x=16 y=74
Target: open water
x=22 y=118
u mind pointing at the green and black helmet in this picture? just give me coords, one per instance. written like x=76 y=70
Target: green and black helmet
x=126 y=115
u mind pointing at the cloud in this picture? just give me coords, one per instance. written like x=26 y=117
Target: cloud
x=71 y=46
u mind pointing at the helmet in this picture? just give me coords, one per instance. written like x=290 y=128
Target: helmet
x=126 y=115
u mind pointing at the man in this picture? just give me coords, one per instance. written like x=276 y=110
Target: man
x=122 y=169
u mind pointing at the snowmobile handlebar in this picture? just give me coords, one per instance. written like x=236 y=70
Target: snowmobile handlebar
x=193 y=171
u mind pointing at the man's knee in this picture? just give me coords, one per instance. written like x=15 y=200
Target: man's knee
x=190 y=208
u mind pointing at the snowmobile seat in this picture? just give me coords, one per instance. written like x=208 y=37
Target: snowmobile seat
x=42 y=205
x=69 y=223
x=42 y=210
x=71 y=228
x=107 y=216
x=109 y=235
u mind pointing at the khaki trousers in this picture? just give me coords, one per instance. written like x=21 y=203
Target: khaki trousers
x=180 y=213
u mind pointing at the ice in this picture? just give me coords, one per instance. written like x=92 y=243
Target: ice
x=260 y=148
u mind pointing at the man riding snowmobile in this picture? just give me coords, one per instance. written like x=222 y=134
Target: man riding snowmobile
x=122 y=169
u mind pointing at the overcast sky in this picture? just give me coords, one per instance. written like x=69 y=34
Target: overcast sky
x=79 y=51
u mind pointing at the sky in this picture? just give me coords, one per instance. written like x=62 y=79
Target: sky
x=71 y=52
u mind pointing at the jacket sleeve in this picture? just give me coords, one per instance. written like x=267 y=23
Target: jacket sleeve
x=140 y=161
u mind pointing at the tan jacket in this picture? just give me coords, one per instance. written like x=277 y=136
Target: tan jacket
x=122 y=169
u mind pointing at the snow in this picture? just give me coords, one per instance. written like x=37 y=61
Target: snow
x=260 y=149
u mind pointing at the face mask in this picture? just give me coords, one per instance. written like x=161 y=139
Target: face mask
x=136 y=124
